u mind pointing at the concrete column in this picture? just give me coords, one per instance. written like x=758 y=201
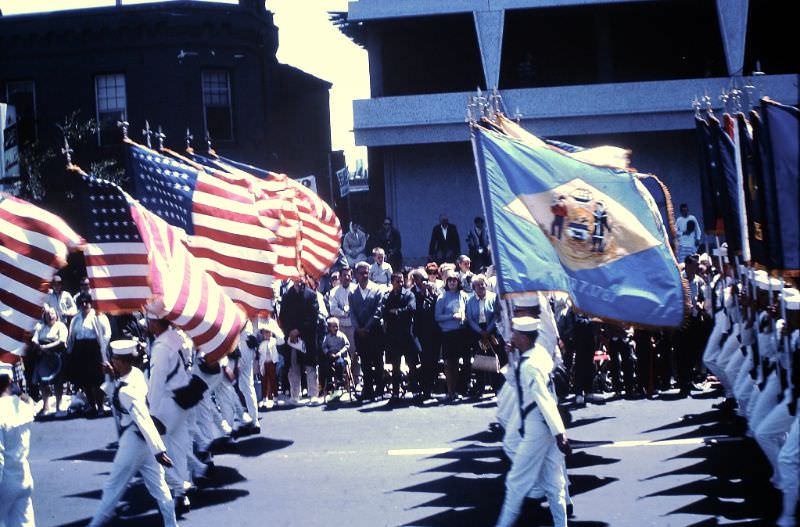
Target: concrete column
x=733 y=28
x=489 y=28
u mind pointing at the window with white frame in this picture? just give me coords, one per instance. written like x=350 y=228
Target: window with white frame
x=22 y=96
x=217 y=104
x=111 y=106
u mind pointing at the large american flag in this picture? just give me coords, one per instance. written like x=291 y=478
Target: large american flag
x=135 y=259
x=219 y=215
x=319 y=231
x=33 y=245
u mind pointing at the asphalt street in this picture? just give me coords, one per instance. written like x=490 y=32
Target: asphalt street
x=636 y=463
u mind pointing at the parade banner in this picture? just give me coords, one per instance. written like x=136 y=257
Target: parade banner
x=782 y=130
x=34 y=244
x=755 y=201
x=729 y=190
x=559 y=223
x=709 y=178
x=9 y=153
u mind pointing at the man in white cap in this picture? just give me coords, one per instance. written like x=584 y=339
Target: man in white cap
x=16 y=482
x=140 y=446
x=537 y=460
x=248 y=346
x=168 y=372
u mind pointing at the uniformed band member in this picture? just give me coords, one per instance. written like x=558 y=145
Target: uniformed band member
x=140 y=446
x=538 y=455
x=16 y=483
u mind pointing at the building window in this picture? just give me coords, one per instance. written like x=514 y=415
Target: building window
x=111 y=106
x=217 y=105
x=22 y=95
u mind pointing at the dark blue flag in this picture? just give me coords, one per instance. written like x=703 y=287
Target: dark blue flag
x=728 y=190
x=709 y=177
x=755 y=199
x=782 y=132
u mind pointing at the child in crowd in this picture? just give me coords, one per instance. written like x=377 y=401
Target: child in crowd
x=380 y=272
x=267 y=365
x=335 y=348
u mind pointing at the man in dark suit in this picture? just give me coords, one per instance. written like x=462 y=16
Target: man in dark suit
x=397 y=309
x=364 y=302
x=445 y=244
x=298 y=318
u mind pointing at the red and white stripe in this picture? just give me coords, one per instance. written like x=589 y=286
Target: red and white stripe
x=34 y=244
x=230 y=239
x=185 y=293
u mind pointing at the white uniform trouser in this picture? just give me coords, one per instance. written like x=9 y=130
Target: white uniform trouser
x=208 y=420
x=767 y=400
x=536 y=463
x=771 y=431
x=295 y=378
x=133 y=456
x=713 y=346
x=16 y=505
x=729 y=353
x=229 y=404
x=743 y=387
x=247 y=384
x=789 y=469
x=179 y=447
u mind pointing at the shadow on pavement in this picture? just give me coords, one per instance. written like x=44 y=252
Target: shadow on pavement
x=100 y=455
x=253 y=446
x=735 y=474
x=472 y=490
x=712 y=416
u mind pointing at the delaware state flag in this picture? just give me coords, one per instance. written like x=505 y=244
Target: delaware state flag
x=559 y=223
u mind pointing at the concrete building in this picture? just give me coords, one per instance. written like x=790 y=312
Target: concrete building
x=179 y=64
x=589 y=72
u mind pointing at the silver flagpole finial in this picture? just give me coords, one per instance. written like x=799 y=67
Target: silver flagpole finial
x=189 y=138
x=160 y=136
x=208 y=143
x=148 y=134
x=67 y=151
x=123 y=125
x=696 y=106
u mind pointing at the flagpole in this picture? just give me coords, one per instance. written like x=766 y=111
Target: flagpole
x=737 y=148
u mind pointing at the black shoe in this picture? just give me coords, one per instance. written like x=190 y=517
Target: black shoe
x=182 y=505
x=570 y=511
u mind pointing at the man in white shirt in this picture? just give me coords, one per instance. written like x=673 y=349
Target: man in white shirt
x=340 y=308
x=61 y=301
x=536 y=428
x=688 y=236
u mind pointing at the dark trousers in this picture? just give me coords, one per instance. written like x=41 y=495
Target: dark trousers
x=690 y=346
x=429 y=360
x=584 y=369
x=370 y=350
x=623 y=365
x=645 y=352
x=412 y=360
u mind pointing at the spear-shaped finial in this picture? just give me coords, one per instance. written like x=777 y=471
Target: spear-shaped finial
x=208 y=144
x=123 y=125
x=67 y=151
x=696 y=106
x=160 y=136
x=189 y=137
x=148 y=134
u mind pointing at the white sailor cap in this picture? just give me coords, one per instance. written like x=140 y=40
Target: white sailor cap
x=704 y=258
x=766 y=282
x=526 y=300
x=6 y=369
x=525 y=324
x=791 y=297
x=125 y=347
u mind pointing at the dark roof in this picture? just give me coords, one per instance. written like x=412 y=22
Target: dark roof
x=355 y=31
x=302 y=77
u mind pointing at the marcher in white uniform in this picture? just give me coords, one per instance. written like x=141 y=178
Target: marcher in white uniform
x=140 y=447
x=537 y=461
x=168 y=372
x=248 y=345
x=16 y=482
x=789 y=468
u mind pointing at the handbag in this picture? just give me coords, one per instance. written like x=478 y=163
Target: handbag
x=486 y=363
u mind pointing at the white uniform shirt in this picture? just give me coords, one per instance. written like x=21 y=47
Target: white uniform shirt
x=167 y=372
x=534 y=377
x=16 y=417
x=131 y=392
x=64 y=304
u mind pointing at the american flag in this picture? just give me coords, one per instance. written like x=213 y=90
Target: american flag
x=320 y=231
x=33 y=245
x=218 y=213
x=135 y=259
